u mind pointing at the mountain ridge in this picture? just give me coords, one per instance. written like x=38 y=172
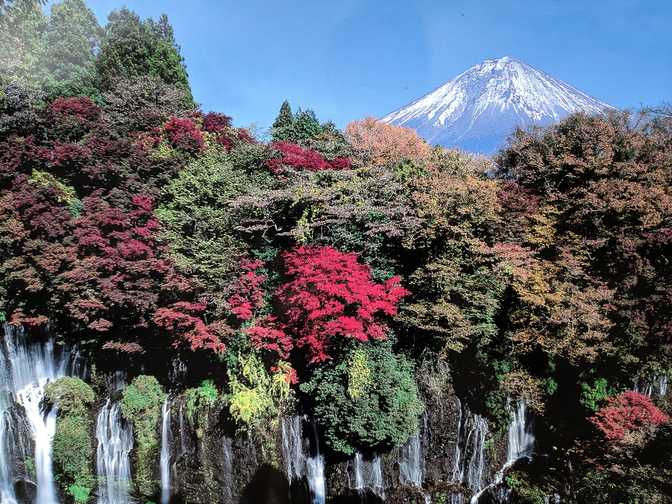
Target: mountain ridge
x=479 y=108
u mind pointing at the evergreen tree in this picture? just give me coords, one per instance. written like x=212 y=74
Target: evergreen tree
x=132 y=48
x=306 y=126
x=22 y=23
x=68 y=58
x=282 y=126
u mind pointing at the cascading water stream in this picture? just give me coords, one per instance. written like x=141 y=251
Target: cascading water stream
x=469 y=455
x=113 y=466
x=520 y=445
x=369 y=475
x=298 y=463
x=28 y=368
x=411 y=462
x=165 y=452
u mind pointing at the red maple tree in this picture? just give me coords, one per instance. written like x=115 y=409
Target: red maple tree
x=629 y=413
x=331 y=295
x=297 y=157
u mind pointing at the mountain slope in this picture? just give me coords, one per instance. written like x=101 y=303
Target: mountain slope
x=479 y=108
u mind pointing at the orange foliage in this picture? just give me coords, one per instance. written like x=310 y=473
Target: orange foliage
x=378 y=143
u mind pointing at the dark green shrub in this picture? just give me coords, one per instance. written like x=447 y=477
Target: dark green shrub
x=368 y=399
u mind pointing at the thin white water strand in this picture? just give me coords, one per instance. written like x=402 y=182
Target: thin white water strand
x=368 y=475
x=183 y=432
x=521 y=438
x=411 y=462
x=165 y=452
x=113 y=466
x=292 y=447
x=315 y=473
x=32 y=366
x=520 y=445
x=227 y=452
x=476 y=445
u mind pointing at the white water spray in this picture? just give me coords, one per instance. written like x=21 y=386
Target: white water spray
x=115 y=442
x=28 y=368
x=165 y=452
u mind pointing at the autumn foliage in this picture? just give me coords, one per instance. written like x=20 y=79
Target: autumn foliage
x=299 y=158
x=385 y=144
x=330 y=295
x=627 y=417
x=183 y=134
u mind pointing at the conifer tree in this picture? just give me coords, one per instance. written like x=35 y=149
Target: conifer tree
x=133 y=48
x=282 y=126
x=68 y=57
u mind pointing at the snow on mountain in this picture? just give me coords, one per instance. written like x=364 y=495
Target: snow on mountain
x=479 y=108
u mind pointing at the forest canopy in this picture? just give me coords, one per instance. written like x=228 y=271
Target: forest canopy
x=323 y=267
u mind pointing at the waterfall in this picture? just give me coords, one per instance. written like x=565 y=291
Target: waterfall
x=469 y=454
x=368 y=474
x=115 y=442
x=655 y=387
x=165 y=452
x=183 y=435
x=28 y=367
x=521 y=438
x=411 y=463
x=299 y=463
x=316 y=481
x=228 y=468
x=520 y=445
x=292 y=447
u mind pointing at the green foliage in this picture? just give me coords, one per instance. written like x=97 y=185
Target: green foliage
x=72 y=395
x=132 y=48
x=199 y=223
x=593 y=396
x=72 y=444
x=458 y=285
x=67 y=194
x=80 y=494
x=304 y=128
x=141 y=405
x=385 y=408
x=281 y=129
x=71 y=41
x=199 y=402
x=524 y=491
x=21 y=42
x=254 y=398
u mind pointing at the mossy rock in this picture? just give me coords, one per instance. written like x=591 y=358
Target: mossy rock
x=141 y=405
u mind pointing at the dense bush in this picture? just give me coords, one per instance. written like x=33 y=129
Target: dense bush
x=73 y=448
x=366 y=400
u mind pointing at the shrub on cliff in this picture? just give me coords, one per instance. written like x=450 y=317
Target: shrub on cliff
x=628 y=418
x=73 y=445
x=141 y=405
x=366 y=400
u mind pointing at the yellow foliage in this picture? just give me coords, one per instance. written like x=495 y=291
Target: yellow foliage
x=359 y=374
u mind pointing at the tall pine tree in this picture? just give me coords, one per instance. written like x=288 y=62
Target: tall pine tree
x=283 y=124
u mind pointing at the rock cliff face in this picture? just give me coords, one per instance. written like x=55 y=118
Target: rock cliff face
x=453 y=456
x=198 y=456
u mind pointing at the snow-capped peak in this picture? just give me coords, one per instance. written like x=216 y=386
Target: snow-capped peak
x=480 y=107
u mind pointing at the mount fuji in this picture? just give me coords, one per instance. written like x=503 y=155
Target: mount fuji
x=480 y=108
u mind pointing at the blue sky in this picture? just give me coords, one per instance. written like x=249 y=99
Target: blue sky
x=349 y=59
